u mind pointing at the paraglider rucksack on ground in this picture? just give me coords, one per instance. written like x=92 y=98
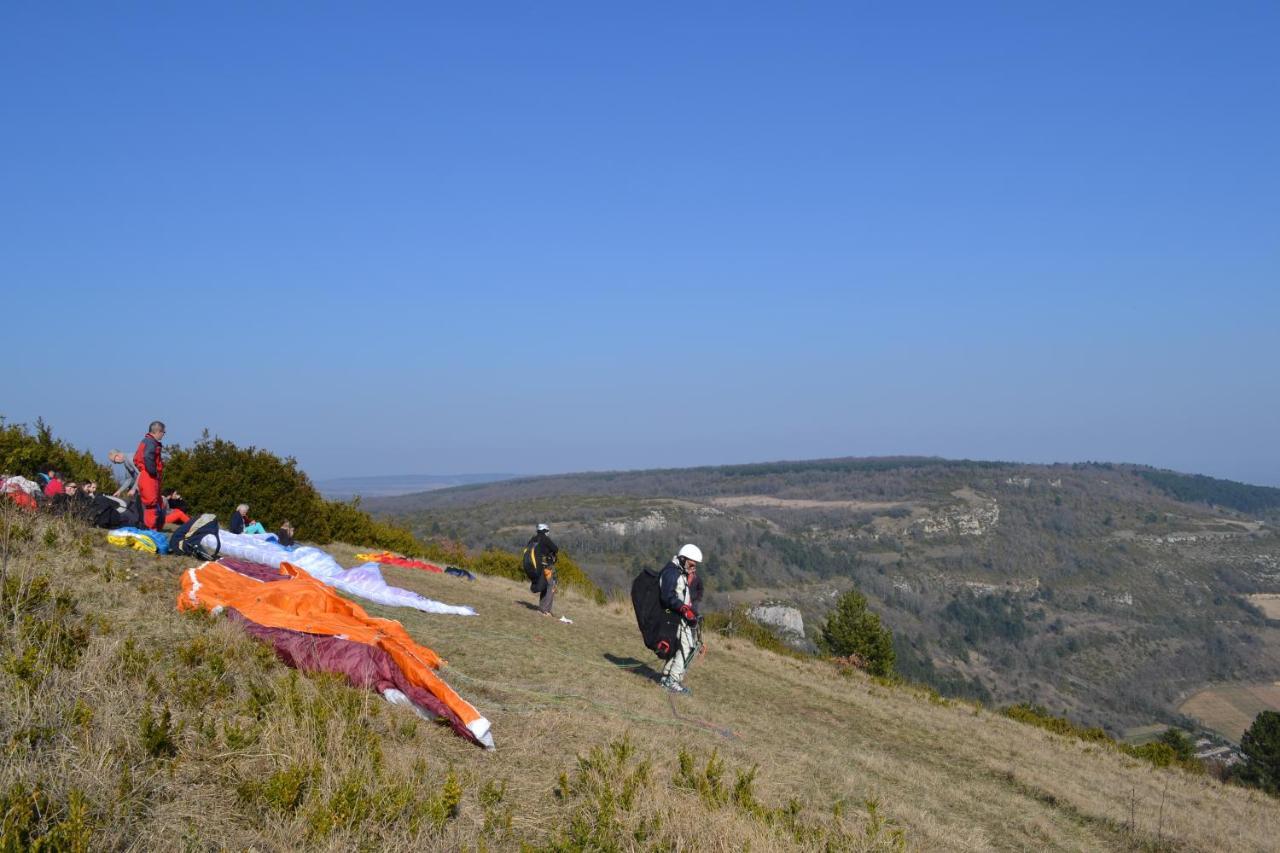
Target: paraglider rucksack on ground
x=186 y=539
x=658 y=625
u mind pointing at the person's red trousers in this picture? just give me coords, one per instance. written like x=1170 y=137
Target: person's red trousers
x=149 y=491
x=176 y=516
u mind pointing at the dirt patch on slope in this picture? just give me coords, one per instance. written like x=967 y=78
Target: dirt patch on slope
x=800 y=503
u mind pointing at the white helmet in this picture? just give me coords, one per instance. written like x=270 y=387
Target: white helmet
x=542 y=528
x=691 y=552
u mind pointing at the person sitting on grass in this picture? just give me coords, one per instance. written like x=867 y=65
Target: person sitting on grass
x=52 y=484
x=175 y=508
x=60 y=503
x=240 y=522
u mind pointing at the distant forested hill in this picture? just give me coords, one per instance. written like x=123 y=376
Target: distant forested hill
x=1215 y=492
x=345 y=488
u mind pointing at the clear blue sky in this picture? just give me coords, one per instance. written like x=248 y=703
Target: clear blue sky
x=549 y=237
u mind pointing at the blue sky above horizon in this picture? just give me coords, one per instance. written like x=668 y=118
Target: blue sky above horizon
x=575 y=236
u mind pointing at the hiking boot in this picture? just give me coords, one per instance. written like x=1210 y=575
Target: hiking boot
x=675 y=687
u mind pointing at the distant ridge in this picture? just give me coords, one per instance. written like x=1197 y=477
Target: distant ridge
x=345 y=488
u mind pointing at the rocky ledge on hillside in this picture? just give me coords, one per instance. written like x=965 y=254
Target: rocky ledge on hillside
x=783 y=618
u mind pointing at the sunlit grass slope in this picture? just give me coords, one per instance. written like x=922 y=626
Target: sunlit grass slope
x=128 y=726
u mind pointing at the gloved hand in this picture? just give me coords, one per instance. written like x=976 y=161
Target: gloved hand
x=687 y=612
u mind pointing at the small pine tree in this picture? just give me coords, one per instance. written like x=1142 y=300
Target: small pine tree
x=852 y=629
x=1261 y=748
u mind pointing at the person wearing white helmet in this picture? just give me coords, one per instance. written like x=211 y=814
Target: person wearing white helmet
x=540 y=556
x=677 y=596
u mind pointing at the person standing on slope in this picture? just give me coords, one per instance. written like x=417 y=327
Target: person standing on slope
x=540 y=557
x=147 y=459
x=677 y=596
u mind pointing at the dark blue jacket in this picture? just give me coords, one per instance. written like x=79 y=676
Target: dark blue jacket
x=668 y=584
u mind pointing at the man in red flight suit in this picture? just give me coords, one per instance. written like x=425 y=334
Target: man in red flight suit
x=150 y=468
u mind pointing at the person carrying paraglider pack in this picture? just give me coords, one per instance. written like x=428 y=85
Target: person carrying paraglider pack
x=675 y=589
x=540 y=556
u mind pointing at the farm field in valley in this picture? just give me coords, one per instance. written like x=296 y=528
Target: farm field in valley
x=1267 y=602
x=1230 y=710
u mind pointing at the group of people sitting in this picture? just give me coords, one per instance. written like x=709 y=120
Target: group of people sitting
x=49 y=492
x=139 y=502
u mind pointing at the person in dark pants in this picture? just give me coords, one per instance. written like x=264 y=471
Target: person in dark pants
x=540 y=565
x=150 y=465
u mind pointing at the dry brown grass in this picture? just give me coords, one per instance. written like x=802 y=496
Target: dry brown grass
x=255 y=756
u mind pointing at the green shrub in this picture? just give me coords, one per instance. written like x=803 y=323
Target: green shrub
x=1183 y=747
x=852 y=629
x=157 y=733
x=1038 y=715
x=363 y=801
x=497 y=563
x=50 y=633
x=610 y=811
x=1165 y=752
x=282 y=792
x=708 y=780
x=32 y=821
x=26 y=453
x=505 y=564
x=1159 y=754
x=571 y=575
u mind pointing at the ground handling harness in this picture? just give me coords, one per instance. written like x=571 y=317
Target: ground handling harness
x=658 y=625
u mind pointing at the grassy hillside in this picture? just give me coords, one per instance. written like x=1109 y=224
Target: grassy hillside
x=1090 y=588
x=134 y=727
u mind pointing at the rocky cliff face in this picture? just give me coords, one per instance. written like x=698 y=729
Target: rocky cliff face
x=782 y=618
x=655 y=520
x=975 y=517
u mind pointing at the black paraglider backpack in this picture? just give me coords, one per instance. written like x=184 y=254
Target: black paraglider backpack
x=531 y=562
x=658 y=625
x=186 y=539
